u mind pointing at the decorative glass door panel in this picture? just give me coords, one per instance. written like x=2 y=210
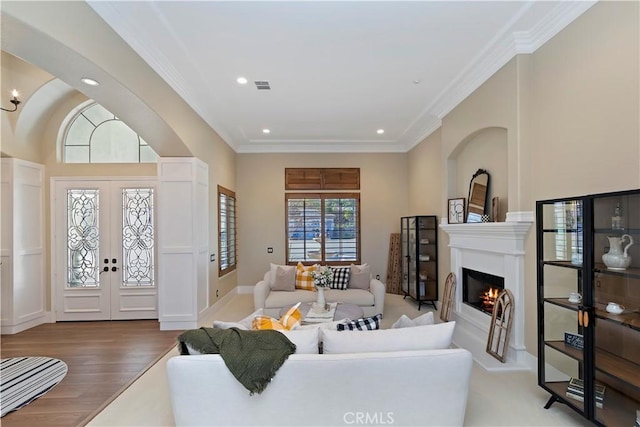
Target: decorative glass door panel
x=137 y=237
x=83 y=237
x=561 y=293
x=105 y=254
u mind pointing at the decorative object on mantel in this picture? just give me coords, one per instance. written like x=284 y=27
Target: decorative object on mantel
x=478 y=195
x=448 y=297
x=322 y=277
x=495 y=209
x=500 y=327
x=456 y=210
x=486 y=218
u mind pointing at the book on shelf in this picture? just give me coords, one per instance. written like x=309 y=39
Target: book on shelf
x=578 y=385
x=575 y=390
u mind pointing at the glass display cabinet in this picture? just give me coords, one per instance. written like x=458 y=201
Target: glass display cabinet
x=589 y=305
x=419 y=243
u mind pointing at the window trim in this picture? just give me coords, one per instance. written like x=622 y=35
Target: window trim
x=323 y=197
x=232 y=266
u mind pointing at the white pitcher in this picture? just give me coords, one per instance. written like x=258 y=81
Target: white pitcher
x=617 y=257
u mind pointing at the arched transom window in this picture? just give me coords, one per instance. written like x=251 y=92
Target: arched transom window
x=96 y=135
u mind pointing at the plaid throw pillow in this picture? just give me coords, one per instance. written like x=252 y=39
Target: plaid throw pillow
x=341 y=277
x=303 y=277
x=289 y=321
x=366 y=323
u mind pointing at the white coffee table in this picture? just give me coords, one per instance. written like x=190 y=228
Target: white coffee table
x=343 y=311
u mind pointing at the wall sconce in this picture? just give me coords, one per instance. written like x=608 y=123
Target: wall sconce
x=15 y=101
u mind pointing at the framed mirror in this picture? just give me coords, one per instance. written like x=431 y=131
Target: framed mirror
x=478 y=195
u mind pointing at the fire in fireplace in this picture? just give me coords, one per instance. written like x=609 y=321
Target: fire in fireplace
x=480 y=290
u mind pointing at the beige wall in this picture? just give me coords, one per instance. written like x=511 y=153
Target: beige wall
x=571 y=112
x=261 y=207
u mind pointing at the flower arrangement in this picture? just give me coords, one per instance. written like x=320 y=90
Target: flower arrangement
x=322 y=276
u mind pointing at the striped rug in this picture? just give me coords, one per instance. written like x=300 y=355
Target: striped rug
x=24 y=379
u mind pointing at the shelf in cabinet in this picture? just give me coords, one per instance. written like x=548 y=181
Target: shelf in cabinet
x=563 y=230
x=628 y=318
x=563 y=302
x=617 y=232
x=606 y=362
x=633 y=273
x=567 y=264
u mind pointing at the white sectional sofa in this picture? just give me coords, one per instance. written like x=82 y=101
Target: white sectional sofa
x=371 y=301
x=416 y=385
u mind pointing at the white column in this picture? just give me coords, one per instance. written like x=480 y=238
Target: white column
x=183 y=218
x=22 y=248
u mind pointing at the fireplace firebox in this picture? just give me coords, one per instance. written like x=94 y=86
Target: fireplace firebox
x=480 y=290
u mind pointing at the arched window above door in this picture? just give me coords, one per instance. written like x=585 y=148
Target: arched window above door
x=95 y=135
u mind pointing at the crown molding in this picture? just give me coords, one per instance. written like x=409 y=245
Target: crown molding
x=510 y=44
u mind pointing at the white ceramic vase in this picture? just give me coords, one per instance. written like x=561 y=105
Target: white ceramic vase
x=320 y=305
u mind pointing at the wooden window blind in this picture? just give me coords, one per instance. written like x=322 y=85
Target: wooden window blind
x=322 y=179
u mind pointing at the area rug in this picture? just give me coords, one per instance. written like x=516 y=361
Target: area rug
x=24 y=379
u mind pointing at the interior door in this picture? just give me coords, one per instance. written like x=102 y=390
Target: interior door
x=104 y=251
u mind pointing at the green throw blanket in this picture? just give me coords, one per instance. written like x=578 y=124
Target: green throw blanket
x=253 y=357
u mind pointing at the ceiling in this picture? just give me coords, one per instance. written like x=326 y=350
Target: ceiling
x=337 y=71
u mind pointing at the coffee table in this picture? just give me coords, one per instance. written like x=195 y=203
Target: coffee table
x=343 y=311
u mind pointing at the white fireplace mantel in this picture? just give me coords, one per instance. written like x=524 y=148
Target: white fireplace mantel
x=496 y=248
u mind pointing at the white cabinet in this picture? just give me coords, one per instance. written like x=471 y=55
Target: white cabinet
x=22 y=246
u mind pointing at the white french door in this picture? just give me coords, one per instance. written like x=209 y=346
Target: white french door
x=104 y=250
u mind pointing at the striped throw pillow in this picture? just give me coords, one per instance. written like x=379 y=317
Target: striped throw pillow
x=303 y=277
x=341 y=277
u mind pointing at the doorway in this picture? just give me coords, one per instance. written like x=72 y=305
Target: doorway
x=104 y=259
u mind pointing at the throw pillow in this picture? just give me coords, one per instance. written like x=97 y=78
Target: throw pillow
x=341 y=277
x=366 y=323
x=360 y=277
x=273 y=270
x=405 y=322
x=306 y=341
x=427 y=337
x=303 y=277
x=244 y=324
x=288 y=321
x=284 y=279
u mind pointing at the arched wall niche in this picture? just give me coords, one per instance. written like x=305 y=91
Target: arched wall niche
x=487 y=149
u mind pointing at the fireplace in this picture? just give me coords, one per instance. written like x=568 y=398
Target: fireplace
x=480 y=290
x=491 y=249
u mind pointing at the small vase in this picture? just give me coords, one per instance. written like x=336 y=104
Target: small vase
x=320 y=306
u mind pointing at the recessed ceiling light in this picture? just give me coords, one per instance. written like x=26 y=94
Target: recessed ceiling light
x=266 y=131
x=89 y=82
x=380 y=131
x=242 y=80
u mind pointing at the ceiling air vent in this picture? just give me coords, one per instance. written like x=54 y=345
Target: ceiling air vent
x=262 y=85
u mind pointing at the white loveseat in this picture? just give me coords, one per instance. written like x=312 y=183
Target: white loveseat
x=370 y=300
x=408 y=387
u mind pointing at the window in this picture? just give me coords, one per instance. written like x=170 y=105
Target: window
x=323 y=227
x=95 y=135
x=227 y=230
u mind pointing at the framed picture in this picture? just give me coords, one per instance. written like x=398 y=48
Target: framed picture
x=456 y=211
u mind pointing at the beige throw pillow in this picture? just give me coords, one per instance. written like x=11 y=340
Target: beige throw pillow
x=360 y=277
x=284 y=279
x=405 y=322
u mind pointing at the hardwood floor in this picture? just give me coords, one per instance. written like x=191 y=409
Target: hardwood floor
x=103 y=359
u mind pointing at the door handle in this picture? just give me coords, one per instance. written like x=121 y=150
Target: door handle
x=579 y=317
